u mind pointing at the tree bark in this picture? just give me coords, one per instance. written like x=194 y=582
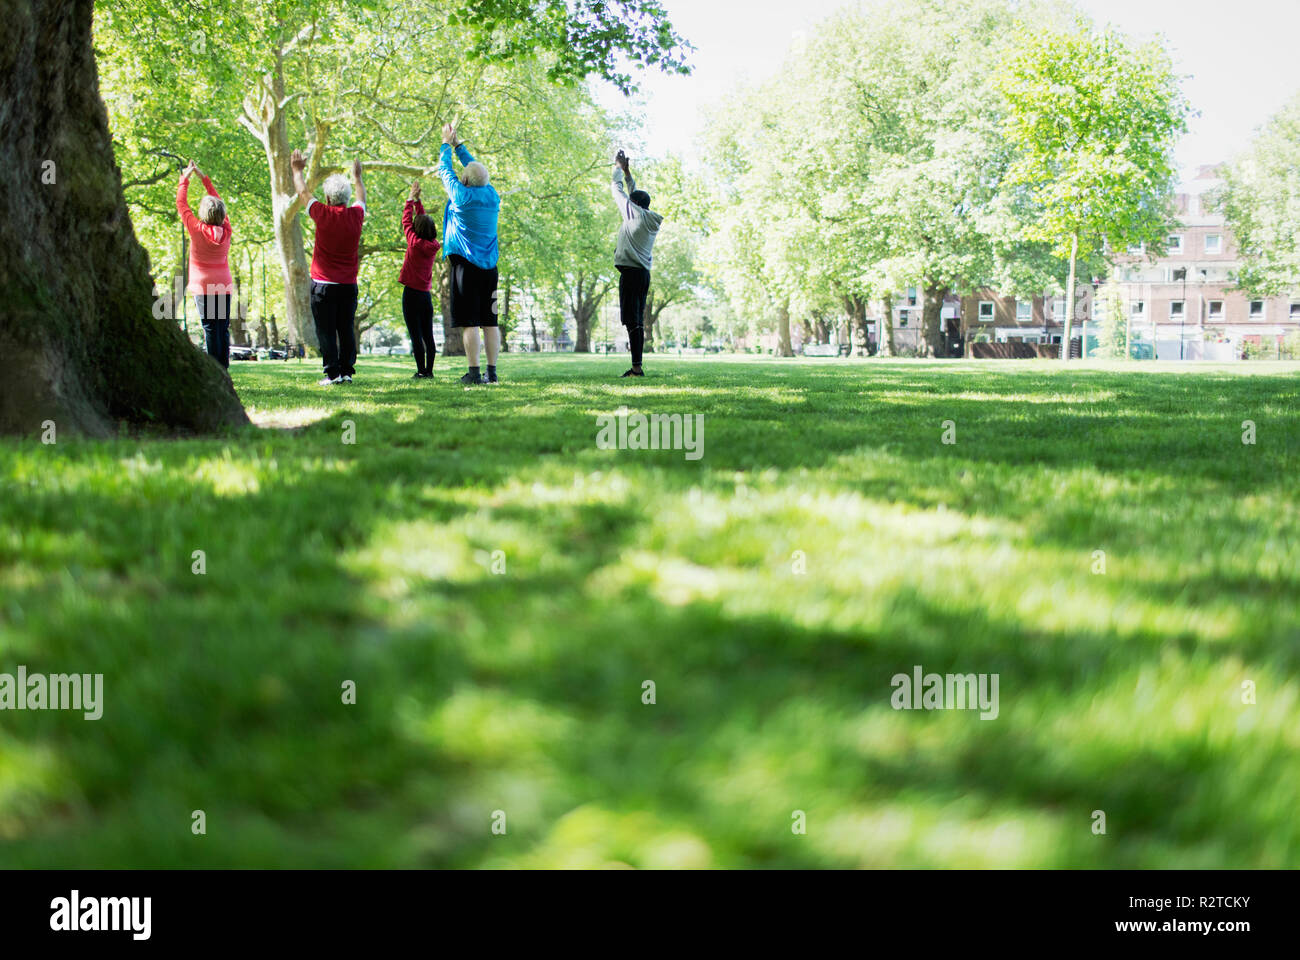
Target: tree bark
x=1069 y=299
x=653 y=308
x=932 y=342
x=265 y=118
x=453 y=342
x=83 y=344
x=855 y=308
x=239 y=306
x=784 y=348
x=505 y=317
x=585 y=299
x=885 y=327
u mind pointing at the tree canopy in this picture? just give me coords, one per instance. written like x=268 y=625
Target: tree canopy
x=1261 y=202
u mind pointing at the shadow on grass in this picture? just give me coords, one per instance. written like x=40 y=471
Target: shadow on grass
x=370 y=563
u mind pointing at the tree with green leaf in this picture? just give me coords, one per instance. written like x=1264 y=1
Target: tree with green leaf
x=327 y=74
x=1260 y=200
x=1093 y=118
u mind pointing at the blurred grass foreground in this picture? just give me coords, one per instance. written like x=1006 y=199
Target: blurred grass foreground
x=504 y=598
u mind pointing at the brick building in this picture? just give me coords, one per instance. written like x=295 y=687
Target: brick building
x=1180 y=302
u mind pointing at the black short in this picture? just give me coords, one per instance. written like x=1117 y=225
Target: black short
x=473 y=294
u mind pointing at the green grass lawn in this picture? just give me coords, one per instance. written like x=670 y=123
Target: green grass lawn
x=477 y=690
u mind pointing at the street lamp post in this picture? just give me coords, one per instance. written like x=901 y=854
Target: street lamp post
x=1182 y=327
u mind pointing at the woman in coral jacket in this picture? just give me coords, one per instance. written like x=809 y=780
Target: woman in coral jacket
x=422 y=248
x=210 y=281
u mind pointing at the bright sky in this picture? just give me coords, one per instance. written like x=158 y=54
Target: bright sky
x=1238 y=55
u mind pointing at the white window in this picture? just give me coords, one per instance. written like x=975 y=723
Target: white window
x=1213 y=243
x=911 y=296
x=1177 y=309
x=1138 y=308
x=1216 y=309
x=986 y=310
x=903 y=317
x=1136 y=250
x=1058 y=308
x=1175 y=243
x=1295 y=311
x=1257 y=309
x=1024 y=310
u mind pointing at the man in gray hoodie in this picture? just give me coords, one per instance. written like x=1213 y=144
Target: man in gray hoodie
x=633 y=256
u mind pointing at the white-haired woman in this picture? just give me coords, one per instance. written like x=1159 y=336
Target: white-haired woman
x=335 y=259
x=469 y=235
x=210 y=281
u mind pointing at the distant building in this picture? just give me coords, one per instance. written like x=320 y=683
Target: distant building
x=1184 y=301
x=1181 y=303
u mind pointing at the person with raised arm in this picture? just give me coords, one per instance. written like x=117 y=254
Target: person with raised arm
x=633 y=256
x=210 y=280
x=417 y=281
x=335 y=260
x=469 y=230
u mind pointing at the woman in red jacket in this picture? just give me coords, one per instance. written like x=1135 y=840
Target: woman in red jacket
x=422 y=248
x=210 y=280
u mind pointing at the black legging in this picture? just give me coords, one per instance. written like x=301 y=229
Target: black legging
x=633 y=286
x=214 y=316
x=417 y=310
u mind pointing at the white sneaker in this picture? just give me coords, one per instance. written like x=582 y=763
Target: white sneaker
x=346 y=379
x=327 y=382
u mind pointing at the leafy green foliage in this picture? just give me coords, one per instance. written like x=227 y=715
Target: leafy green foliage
x=1094 y=118
x=579 y=38
x=1261 y=202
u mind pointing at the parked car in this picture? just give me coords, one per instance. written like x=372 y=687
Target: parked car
x=242 y=353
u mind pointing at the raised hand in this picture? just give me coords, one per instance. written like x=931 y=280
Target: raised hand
x=622 y=160
x=415 y=190
x=356 y=170
x=449 y=134
x=298 y=161
x=189 y=171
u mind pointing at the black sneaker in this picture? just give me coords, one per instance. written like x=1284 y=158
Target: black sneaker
x=492 y=378
x=472 y=380
x=634 y=373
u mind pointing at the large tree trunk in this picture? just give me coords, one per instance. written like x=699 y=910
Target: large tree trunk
x=653 y=308
x=1069 y=299
x=855 y=308
x=932 y=344
x=582 y=339
x=239 y=308
x=885 y=327
x=265 y=118
x=584 y=304
x=78 y=332
x=504 y=319
x=453 y=338
x=784 y=348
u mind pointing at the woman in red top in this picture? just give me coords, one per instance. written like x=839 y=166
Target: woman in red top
x=209 y=263
x=335 y=259
x=422 y=248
